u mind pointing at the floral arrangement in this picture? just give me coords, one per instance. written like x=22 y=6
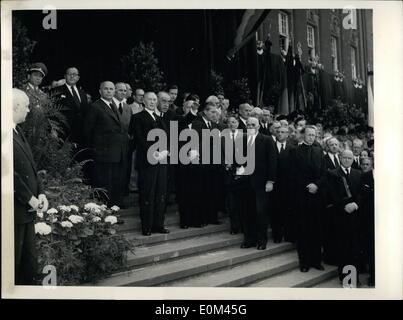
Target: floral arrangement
x=81 y=243
x=358 y=83
x=339 y=76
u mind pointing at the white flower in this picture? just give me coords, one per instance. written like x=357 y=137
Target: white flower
x=103 y=207
x=64 y=208
x=54 y=220
x=67 y=224
x=115 y=208
x=91 y=206
x=52 y=211
x=96 y=219
x=42 y=228
x=111 y=219
x=84 y=214
x=39 y=214
x=76 y=219
x=74 y=207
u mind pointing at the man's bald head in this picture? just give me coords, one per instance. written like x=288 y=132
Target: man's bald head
x=107 y=90
x=20 y=106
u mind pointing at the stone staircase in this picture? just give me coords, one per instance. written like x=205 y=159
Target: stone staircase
x=207 y=257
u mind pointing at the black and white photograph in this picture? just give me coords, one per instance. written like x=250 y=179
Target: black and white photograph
x=197 y=148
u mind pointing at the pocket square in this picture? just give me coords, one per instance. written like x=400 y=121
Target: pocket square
x=63 y=96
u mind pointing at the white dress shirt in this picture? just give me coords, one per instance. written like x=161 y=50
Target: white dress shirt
x=71 y=88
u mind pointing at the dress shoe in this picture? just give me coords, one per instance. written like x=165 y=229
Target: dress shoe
x=247 y=245
x=319 y=267
x=261 y=247
x=184 y=227
x=146 y=232
x=304 y=268
x=234 y=232
x=277 y=240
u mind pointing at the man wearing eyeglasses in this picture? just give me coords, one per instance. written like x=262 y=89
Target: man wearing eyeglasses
x=74 y=105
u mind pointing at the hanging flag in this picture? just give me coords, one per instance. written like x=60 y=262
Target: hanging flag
x=251 y=21
x=370 y=101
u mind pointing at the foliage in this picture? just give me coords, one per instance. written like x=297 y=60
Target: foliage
x=141 y=67
x=81 y=242
x=238 y=92
x=42 y=127
x=216 y=81
x=22 y=50
x=340 y=114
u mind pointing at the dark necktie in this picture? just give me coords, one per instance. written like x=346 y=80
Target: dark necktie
x=75 y=95
x=115 y=111
x=336 y=162
x=282 y=148
x=208 y=125
x=120 y=108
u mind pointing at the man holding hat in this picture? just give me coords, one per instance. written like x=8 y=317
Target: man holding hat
x=36 y=72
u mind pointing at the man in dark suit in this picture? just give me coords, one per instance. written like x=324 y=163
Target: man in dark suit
x=244 y=112
x=308 y=170
x=358 y=146
x=184 y=193
x=106 y=136
x=261 y=181
x=74 y=105
x=204 y=174
x=282 y=215
x=28 y=197
x=273 y=127
x=367 y=223
x=344 y=185
x=265 y=122
x=332 y=162
x=152 y=176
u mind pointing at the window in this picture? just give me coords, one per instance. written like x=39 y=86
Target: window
x=334 y=53
x=353 y=63
x=311 y=40
x=283 y=24
x=283 y=30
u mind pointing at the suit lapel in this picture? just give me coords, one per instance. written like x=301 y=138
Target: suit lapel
x=110 y=112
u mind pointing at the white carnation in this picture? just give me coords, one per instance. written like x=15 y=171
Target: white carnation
x=74 y=207
x=96 y=219
x=66 y=224
x=115 y=208
x=91 y=206
x=39 y=214
x=76 y=219
x=103 y=207
x=52 y=211
x=42 y=228
x=64 y=208
x=111 y=219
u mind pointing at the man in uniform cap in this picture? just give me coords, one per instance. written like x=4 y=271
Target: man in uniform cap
x=36 y=73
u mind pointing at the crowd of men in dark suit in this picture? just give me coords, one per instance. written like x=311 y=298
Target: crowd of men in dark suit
x=307 y=183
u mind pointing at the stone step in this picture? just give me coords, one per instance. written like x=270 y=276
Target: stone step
x=242 y=274
x=175 y=233
x=330 y=283
x=297 y=279
x=172 y=270
x=144 y=255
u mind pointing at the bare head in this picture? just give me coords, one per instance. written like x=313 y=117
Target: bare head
x=245 y=110
x=120 y=91
x=107 y=90
x=347 y=158
x=72 y=76
x=252 y=124
x=163 y=101
x=333 y=145
x=20 y=106
x=309 y=133
x=150 y=100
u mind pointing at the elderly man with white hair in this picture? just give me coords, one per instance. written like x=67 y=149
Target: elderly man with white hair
x=343 y=194
x=28 y=196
